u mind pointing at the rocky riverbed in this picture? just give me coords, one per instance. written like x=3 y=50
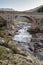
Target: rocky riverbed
x=19 y=47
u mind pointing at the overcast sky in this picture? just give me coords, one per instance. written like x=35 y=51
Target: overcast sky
x=20 y=5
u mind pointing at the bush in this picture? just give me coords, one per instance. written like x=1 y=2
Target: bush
x=41 y=22
x=2 y=22
x=40 y=10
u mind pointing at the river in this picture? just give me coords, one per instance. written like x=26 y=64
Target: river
x=22 y=36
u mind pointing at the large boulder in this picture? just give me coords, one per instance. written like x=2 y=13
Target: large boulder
x=35 y=30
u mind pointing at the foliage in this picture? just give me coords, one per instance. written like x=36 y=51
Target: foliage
x=23 y=19
x=41 y=22
x=40 y=10
x=2 y=22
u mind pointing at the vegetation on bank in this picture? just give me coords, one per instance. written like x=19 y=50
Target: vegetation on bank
x=22 y=18
x=41 y=24
x=2 y=22
x=41 y=21
x=40 y=10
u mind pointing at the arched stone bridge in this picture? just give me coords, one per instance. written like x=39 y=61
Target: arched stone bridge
x=11 y=15
x=30 y=20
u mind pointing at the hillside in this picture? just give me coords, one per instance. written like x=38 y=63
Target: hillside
x=37 y=9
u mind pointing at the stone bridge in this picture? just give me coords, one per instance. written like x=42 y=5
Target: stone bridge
x=11 y=15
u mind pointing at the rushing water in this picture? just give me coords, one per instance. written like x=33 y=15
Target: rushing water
x=22 y=36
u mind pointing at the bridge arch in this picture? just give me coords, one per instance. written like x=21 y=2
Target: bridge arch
x=30 y=19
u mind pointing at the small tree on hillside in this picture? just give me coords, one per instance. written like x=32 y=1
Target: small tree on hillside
x=41 y=23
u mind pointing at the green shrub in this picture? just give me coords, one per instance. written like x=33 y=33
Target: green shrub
x=2 y=22
x=40 y=10
x=41 y=22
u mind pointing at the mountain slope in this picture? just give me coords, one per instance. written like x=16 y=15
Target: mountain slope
x=37 y=9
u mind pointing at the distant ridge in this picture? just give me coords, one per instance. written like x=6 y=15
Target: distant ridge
x=6 y=9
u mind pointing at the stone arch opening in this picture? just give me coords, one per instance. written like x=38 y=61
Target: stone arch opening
x=27 y=19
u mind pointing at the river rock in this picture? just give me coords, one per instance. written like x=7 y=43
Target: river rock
x=2 y=41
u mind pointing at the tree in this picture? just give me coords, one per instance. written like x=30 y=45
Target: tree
x=41 y=21
x=2 y=22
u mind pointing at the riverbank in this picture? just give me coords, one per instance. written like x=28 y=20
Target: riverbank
x=19 y=51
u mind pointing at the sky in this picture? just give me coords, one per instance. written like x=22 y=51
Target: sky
x=20 y=5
